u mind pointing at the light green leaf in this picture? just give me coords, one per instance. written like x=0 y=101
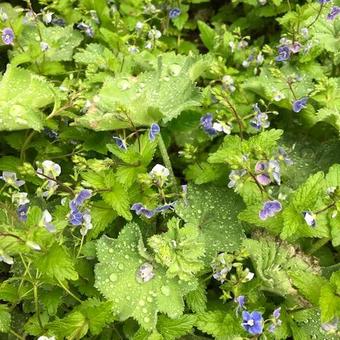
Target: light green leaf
x=137 y=287
x=5 y=319
x=175 y=328
x=19 y=103
x=214 y=210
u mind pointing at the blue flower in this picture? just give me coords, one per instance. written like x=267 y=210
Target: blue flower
x=276 y=320
x=300 y=104
x=7 y=36
x=334 y=12
x=174 y=13
x=154 y=131
x=310 y=218
x=22 y=212
x=324 y=1
x=58 y=22
x=261 y=168
x=76 y=217
x=240 y=300
x=207 y=124
x=284 y=53
x=140 y=209
x=86 y=28
x=260 y=120
x=270 y=208
x=82 y=197
x=11 y=178
x=120 y=143
x=164 y=207
x=252 y=322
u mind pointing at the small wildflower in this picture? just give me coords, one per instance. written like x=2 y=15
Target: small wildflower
x=310 y=218
x=159 y=172
x=20 y=198
x=44 y=46
x=140 y=209
x=43 y=337
x=154 y=34
x=87 y=223
x=234 y=176
x=283 y=156
x=334 y=12
x=47 y=17
x=222 y=127
x=249 y=276
x=11 y=178
x=274 y=170
x=276 y=320
x=240 y=300
x=3 y=15
x=252 y=322
x=86 y=28
x=76 y=217
x=22 y=212
x=139 y=26
x=228 y=83
x=83 y=195
x=46 y=221
x=270 y=208
x=260 y=120
x=121 y=143
x=324 y=1
x=221 y=266
x=133 y=49
x=300 y=104
x=261 y=168
x=154 y=131
x=207 y=124
x=283 y=53
x=174 y=13
x=148 y=45
x=331 y=327
x=164 y=207
x=59 y=22
x=49 y=169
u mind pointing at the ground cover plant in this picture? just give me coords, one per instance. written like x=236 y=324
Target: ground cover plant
x=170 y=169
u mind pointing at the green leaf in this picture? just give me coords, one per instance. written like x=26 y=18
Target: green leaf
x=179 y=249
x=73 y=326
x=57 y=264
x=119 y=279
x=144 y=99
x=97 y=313
x=175 y=328
x=219 y=324
x=5 y=319
x=306 y=198
x=197 y=299
x=272 y=262
x=207 y=35
x=19 y=103
x=329 y=303
x=118 y=199
x=214 y=210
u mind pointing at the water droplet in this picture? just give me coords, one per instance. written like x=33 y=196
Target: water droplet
x=165 y=290
x=113 y=277
x=110 y=250
x=145 y=273
x=120 y=266
x=141 y=302
x=146 y=319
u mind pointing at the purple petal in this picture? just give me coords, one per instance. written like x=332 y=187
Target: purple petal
x=263 y=179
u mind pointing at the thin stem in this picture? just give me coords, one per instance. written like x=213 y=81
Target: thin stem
x=317 y=245
x=291 y=89
x=166 y=160
x=37 y=307
x=227 y=103
x=325 y=208
x=317 y=17
x=16 y=334
x=81 y=245
x=24 y=146
x=58 y=182
x=69 y=292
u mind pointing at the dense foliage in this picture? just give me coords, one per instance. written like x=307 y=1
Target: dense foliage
x=170 y=169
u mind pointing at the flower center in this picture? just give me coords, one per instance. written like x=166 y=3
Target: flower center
x=250 y=322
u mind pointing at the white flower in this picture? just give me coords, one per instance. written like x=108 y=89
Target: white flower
x=43 y=337
x=20 y=198
x=133 y=49
x=154 y=34
x=44 y=46
x=87 y=224
x=11 y=179
x=47 y=17
x=159 y=171
x=139 y=26
x=46 y=221
x=249 y=276
x=49 y=169
x=222 y=127
x=148 y=45
x=245 y=63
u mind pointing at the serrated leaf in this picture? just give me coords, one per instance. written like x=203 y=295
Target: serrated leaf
x=175 y=328
x=118 y=278
x=214 y=210
x=142 y=100
x=19 y=104
x=57 y=264
x=180 y=250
